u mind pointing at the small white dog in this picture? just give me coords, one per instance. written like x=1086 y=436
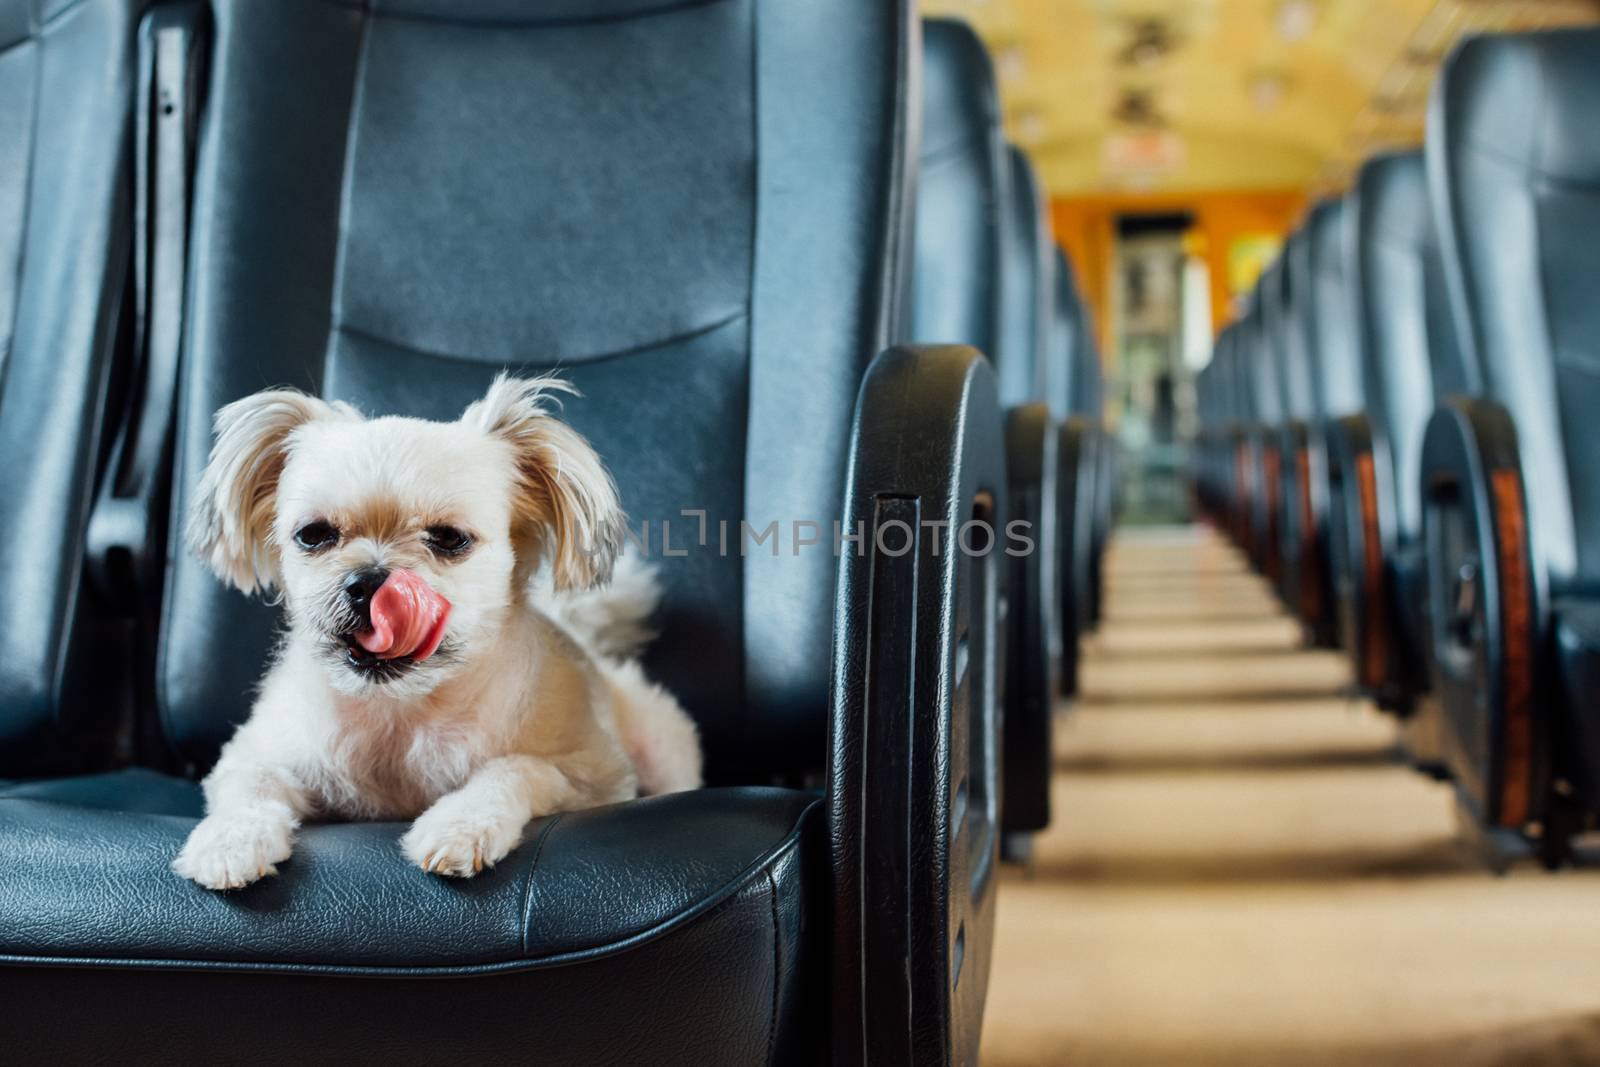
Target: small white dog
x=426 y=674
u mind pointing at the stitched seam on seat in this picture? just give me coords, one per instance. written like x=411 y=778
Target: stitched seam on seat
x=1490 y=153
x=700 y=910
x=527 y=888
x=39 y=30
x=27 y=201
x=772 y=1021
x=370 y=7
x=358 y=93
x=952 y=149
x=59 y=15
x=632 y=350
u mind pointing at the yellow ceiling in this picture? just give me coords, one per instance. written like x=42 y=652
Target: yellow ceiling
x=1169 y=96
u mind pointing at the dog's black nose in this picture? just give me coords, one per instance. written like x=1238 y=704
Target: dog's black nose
x=360 y=585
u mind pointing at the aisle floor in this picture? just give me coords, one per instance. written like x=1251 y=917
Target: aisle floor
x=1240 y=872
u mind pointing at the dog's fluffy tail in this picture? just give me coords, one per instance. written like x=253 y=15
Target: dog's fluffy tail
x=659 y=736
x=614 y=620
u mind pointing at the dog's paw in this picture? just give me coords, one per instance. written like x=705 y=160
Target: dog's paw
x=230 y=851
x=452 y=840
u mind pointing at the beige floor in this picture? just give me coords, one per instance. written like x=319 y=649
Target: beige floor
x=1240 y=873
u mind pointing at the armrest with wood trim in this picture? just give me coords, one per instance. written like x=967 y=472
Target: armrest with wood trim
x=1486 y=613
x=914 y=770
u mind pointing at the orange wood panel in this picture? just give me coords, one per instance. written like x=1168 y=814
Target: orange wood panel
x=1086 y=229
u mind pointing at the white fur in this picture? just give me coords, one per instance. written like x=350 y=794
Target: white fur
x=534 y=703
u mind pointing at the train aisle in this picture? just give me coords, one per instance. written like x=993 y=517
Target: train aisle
x=1240 y=872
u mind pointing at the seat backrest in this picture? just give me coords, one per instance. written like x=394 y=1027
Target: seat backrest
x=394 y=201
x=1409 y=353
x=1335 y=357
x=1266 y=397
x=1240 y=393
x=1064 y=385
x=963 y=189
x=1288 y=317
x=1089 y=391
x=1027 y=285
x=1514 y=167
x=1218 y=411
x=1236 y=391
x=66 y=204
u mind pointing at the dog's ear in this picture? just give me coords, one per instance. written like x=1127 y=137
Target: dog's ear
x=567 y=509
x=230 y=521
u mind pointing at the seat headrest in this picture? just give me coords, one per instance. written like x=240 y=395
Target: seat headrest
x=1336 y=357
x=960 y=103
x=1529 y=99
x=962 y=188
x=1295 y=329
x=1062 y=388
x=1325 y=236
x=1028 y=290
x=1270 y=335
x=1394 y=197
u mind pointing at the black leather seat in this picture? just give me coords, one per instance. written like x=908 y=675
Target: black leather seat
x=1336 y=358
x=1411 y=361
x=1337 y=380
x=1202 y=460
x=968 y=227
x=1089 y=403
x=1027 y=286
x=1258 y=355
x=1235 y=463
x=1242 y=351
x=1065 y=340
x=1286 y=313
x=1512 y=509
x=963 y=196
x=1322 y=353
x=66 y=224
x=1069 y=347
x=1214 y=466
x=1214 y=459
x=1226 y=444
x=392 y=203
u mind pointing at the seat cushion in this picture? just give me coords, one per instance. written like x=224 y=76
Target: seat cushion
x=96 y=851
x=688 y=916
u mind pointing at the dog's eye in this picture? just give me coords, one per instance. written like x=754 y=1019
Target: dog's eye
x=448 y=541
x=316 y=535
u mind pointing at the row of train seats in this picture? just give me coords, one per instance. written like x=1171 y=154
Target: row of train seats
x=1397 y=431
x=988 y=274
x=709 y=217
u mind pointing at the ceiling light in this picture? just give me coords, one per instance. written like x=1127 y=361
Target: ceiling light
x=1011 y=64
x=1295 y=19
x=1267 y=90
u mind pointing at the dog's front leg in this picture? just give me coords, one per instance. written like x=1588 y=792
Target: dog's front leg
x=252 y=811
x=479 y=824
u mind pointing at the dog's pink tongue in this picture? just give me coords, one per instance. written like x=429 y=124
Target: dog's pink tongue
x=408 y=618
